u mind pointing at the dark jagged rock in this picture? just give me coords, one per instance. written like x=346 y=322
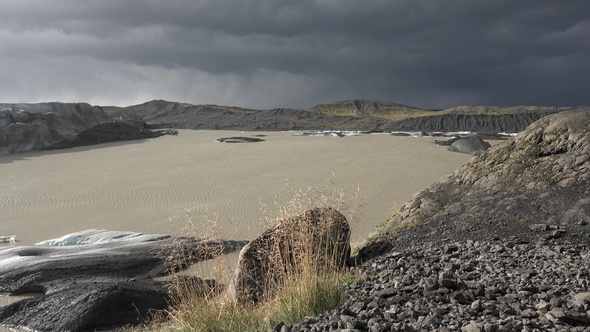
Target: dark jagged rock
x=107 y=132
x=88 y=307
x=497 y=285
x=239 y=139
x=26 y=127
x=102 y=285
x=317 y=234
x=480 y=123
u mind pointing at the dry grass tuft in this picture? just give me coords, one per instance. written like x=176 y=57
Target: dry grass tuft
x=309 y=283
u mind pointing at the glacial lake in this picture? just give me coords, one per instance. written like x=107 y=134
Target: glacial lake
x=174 y=184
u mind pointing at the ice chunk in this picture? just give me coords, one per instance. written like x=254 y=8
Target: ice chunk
x=8 y=238
x=97 y=236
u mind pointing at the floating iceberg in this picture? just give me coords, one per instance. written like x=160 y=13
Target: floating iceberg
x=8 y=238
x=329 y=133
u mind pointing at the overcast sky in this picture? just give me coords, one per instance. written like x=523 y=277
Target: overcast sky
x=270 y=53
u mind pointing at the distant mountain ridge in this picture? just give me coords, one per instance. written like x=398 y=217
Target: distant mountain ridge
x=42 y=126
x=365 y=115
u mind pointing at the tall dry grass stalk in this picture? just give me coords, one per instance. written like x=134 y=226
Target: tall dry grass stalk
x=349 y=204
x=305 y=281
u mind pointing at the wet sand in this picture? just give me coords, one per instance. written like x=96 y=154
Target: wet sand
x=162 y=185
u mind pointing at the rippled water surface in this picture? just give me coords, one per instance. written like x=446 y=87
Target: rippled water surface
x=163 y=184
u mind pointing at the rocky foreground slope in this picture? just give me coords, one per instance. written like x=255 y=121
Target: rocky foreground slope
x=542 y=175
x=366 y=115
x=48 y=126
x=500 y=245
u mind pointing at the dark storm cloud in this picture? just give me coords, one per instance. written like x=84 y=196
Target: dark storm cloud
x=297 y=53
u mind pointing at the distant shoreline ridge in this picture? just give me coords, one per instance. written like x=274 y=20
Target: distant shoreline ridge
x=46 y=126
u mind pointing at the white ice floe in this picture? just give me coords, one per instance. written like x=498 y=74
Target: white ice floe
x=329 y=133
x=80 y=245
x=507 y=134
x=96 y=236
x=342 y=133
x=8 y=238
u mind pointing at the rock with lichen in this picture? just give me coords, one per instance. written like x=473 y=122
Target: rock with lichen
x=540 y=175
x=319 y=236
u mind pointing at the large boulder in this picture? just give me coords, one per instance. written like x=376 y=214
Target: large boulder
x=321 y=235
x=472 y=144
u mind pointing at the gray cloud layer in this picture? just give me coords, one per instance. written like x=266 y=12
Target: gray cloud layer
x=268 y=54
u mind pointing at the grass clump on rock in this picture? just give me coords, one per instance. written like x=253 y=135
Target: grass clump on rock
x=293 y=270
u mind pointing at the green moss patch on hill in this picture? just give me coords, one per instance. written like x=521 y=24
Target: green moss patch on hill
x=112 y=109
x=369 y=108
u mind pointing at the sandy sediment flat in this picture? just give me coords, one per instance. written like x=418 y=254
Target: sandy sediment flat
x=162 y=185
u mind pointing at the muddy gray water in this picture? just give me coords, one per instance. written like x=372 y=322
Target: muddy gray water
x=162 y=185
